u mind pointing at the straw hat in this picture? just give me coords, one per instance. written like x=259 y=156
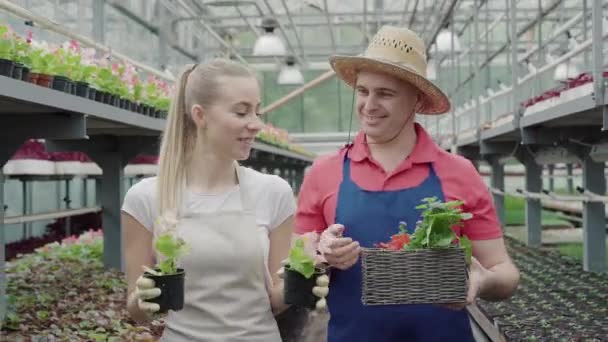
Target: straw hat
x=398 y=52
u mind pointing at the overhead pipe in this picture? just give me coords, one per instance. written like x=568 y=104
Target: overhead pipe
x=297 y=92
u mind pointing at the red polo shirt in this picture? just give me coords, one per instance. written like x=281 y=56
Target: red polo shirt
x=460 y=180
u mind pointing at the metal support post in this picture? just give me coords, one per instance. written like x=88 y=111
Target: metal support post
x=112 y=164
x=534 y=183
x=570 y=181
x=98 y=21
x=551 y=169
x=498 y=182
x=598 y=58
x=594 y=218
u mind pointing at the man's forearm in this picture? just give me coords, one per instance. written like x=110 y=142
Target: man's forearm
x=501 y=282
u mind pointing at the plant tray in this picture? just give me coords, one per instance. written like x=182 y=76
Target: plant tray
x=425 y=276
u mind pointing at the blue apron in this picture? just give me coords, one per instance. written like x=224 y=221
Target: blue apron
x=371 y=217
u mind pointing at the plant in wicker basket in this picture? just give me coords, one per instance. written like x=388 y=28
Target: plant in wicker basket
x=301 y=275
x=426 y=267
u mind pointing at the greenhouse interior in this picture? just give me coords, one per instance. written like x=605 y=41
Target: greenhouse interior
x=498 y=105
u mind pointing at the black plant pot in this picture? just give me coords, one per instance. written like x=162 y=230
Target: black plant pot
x=6 y=67
x=82 y=89
x=127 y=104
x=145 y=110
x=25 y=73
x=163 y=114
x=72 y=87
x=61 y=83
x=134 y=107
x=17 y=71
x=298 y=289
x=100 y=96
x=92 y=93
x=171 y=290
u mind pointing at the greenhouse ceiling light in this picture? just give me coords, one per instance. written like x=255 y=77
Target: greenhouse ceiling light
x=269 y=44
x=290 y=74
x=444 y=42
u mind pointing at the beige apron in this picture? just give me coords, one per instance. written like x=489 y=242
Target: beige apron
x=225 y=292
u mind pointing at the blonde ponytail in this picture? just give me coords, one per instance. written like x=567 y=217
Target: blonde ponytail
x=178 y=135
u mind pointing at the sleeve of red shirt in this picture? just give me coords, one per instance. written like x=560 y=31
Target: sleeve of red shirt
x=484 y=224
x=309 y=214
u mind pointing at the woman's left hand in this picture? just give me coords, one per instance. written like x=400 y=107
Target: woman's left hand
x=477 y=277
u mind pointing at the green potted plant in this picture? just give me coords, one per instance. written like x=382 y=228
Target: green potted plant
x=301 y=275
x=428 y=266
x=6 y=51
x=42 y=62
x=167 y=275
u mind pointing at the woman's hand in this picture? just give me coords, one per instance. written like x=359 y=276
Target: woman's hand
x=321 y=291
x=338 y=251
x=145 y=289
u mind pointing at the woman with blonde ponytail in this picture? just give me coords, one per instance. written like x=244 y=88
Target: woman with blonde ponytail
x=236 y=221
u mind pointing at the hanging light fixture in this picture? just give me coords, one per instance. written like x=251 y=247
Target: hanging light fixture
x=444 y=42
x=290 y=74
x=269 y=44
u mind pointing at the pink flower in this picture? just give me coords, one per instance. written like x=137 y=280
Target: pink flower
x=29 y=36
x=70 y=240
x=74 y=45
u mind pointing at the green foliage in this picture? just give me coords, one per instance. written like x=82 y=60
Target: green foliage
x=171 y=248
x=435 y=229
x=300 y=261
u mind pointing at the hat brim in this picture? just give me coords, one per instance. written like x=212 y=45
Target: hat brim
x=434 y=100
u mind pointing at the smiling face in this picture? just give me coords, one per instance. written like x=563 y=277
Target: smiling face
x=384 y=105
x=231 y=122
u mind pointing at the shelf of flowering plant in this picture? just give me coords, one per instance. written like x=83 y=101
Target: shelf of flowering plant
x=18 y=99
x=428 y=266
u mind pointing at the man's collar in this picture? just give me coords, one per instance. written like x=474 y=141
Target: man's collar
x=425 y=150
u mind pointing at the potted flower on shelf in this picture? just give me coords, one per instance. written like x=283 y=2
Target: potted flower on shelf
x=167 y=275
x=428 y=266
x=7 y=47
x=301 y=274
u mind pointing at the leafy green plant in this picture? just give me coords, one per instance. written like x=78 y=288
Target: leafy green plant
x=434 y=230
x=6 y=43
x=171 y=248
x=300 y=261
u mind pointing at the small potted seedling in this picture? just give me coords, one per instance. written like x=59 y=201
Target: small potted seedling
x=167 y=276
x=301 y=276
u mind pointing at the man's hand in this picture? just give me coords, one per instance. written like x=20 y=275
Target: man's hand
x=338 y=251
x=477 y=277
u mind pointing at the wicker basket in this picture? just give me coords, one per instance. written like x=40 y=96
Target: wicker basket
x=426 y=276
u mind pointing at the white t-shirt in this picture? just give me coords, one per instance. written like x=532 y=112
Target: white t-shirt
x=272 y=195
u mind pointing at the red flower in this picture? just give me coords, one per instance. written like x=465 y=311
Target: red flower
x=398 y=241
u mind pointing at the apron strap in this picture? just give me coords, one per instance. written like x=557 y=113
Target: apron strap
x=246 y=200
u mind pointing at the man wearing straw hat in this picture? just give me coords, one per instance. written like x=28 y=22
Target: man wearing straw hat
x=357 y=196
